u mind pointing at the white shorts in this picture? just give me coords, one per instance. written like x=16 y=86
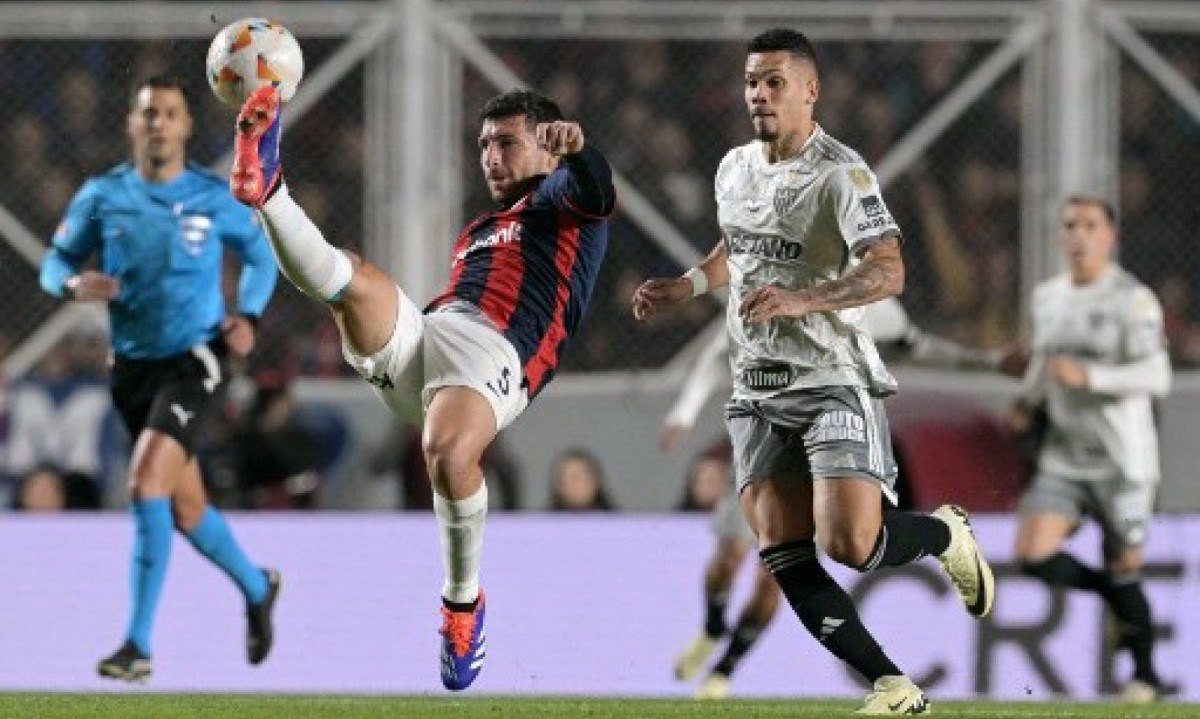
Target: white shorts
x=442 y=349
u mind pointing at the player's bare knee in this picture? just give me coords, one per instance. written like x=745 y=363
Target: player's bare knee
x=450 y=459
x=851 y=547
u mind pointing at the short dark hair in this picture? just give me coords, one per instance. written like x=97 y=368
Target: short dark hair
x=1105 y=206
x=782 y=39
x=159 y=82
x=535 y=107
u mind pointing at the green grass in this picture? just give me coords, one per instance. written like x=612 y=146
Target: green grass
x=257 y=706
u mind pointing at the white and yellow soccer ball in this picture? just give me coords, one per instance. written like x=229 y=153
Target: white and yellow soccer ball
x=250 y=53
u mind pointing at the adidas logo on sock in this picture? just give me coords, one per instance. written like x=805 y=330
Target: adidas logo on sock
x=829 y=625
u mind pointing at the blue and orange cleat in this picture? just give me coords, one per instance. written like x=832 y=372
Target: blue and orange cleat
x=463 y=646
x=256 y=166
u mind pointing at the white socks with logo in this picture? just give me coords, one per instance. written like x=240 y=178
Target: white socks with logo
x=315 y=267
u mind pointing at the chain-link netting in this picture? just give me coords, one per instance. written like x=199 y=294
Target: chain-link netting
x=1160 y=149
x=664 y=112
x=63 y=117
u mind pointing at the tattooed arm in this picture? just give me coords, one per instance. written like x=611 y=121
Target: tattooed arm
x=879 y=275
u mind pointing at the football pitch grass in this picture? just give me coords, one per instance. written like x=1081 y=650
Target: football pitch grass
x=264 y=706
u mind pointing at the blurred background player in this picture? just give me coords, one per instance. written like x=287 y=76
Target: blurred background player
x=1099 y=358
x=806 y=241
x=158 y=225
x=888 y=325
x=469 y=364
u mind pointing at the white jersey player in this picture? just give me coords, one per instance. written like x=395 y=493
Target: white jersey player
x=887 y=324
x=806 y=242
x=1099 y=359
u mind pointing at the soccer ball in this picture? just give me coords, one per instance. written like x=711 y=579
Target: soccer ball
x=252 y=53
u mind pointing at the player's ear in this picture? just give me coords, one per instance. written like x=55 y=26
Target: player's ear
x=812 y=85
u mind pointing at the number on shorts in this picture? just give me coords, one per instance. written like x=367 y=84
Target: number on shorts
x=502 y=384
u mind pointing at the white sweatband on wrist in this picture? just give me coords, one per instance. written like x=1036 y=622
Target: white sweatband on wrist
x=311 y=264
x=698 y=279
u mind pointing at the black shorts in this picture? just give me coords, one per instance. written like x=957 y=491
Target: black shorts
x=175 y=395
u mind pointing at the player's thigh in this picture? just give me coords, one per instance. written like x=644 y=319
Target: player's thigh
x=157 y=464
x=396 y=369
x=771 y=473
x=367 y=312
x=464 y=350
x=1123 y=510
x=1050 y=511
x=781 y=509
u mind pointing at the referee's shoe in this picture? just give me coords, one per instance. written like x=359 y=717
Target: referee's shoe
x=128 y=663
x=260 y=631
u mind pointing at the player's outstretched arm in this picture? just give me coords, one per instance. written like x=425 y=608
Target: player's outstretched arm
x=663 y=294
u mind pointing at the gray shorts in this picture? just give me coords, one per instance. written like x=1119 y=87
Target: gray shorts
x=820 y=433
x=728 y=522
x=1122 y=509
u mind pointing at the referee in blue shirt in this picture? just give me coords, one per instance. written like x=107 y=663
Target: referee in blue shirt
x=159 y=225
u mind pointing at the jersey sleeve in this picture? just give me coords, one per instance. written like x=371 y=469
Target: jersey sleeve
x=1144 y=333
x=76 y=238
x=858 y=207
x=582 y=184
x=242 y=231
x=1146 y=367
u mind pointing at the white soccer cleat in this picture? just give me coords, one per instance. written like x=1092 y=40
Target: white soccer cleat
x=1138 y=692
x=895 y=695
x=965 y=564
x=693 y=658
x=715 y=687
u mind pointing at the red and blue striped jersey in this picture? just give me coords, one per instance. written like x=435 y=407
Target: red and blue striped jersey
x=531 y=267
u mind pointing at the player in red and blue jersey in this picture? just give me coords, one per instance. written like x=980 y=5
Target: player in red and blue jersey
x=468 y=364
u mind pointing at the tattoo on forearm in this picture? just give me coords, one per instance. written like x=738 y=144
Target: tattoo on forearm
x=873 y=280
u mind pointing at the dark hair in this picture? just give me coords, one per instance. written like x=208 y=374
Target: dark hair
x=602 y=502
x=720 y=450
x=784 y=40
x=159 y=82
x=536 y=108
x=1105 y=206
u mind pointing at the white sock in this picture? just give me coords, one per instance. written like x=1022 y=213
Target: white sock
x=315 y=267
x=461 y=523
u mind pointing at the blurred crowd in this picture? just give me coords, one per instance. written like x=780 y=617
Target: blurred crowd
x=665 y=114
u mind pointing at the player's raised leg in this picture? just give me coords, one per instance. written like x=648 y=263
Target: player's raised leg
x=362 y=297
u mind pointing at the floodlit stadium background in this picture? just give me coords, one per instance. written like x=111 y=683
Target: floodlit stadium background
x=978 y=118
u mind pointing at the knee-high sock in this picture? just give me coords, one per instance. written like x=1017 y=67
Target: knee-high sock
x=745 y=635
x=212 y=538
x=825 y=609
x=1124 y=595
x=715 y=602
x=905 y=537
x=1128 y=602
x=461 y=522
x=315 y=267
x=153 y=527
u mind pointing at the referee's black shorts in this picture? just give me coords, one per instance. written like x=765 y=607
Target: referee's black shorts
x=175 y=395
